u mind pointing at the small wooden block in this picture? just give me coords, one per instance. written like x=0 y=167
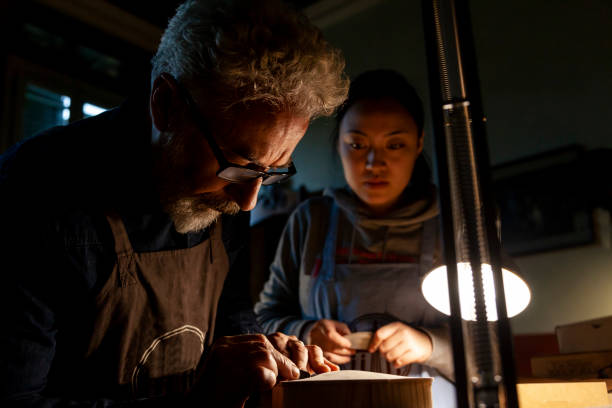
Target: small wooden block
x=360 y=340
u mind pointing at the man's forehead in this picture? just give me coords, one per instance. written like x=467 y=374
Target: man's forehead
x=261 y=154
x=263 y=137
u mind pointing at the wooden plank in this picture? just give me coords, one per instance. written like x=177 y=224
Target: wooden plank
x=575 y=365
x=590 y=335
x=563 y=395
x=530 y=380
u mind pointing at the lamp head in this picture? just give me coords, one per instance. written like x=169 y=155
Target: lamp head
x=435 y=290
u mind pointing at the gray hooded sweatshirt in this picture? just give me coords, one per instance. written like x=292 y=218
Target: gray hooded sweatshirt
x=361 y=238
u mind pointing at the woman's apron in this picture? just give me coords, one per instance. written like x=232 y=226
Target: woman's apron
x=155 y=315
x=369 y=296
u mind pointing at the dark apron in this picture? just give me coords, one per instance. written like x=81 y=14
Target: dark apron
x=155 y=315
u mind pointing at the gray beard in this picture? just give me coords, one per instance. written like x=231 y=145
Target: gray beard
x=195 y=213
x=190 y=213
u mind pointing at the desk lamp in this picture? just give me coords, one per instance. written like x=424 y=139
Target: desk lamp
x=467 y=212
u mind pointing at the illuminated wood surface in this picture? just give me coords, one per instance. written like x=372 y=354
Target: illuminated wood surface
x=350 y=388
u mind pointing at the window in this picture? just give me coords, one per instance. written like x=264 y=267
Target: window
x=90 y=109
x=38 y=98
x=43 y=109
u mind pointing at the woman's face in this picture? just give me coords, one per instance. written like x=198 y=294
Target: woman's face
x=378 y=144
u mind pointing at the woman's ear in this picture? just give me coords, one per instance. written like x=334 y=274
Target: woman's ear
x=421 y=142
x=165 y=102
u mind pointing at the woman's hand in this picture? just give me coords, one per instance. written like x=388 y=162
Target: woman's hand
x=308 y=358
x=401 y=344
x=328 y=334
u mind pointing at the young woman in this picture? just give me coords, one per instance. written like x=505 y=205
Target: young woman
x=352 y=260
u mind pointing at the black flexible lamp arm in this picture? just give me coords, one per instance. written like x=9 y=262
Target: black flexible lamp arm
x=466 y=205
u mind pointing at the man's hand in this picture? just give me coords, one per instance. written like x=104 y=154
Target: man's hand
x=308 y=358
x=237 y=366
x=401 y=344
x=328 y=334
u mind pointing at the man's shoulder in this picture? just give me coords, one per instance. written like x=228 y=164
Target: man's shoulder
x=72 y=165
x=61 y=148
x=21 y=158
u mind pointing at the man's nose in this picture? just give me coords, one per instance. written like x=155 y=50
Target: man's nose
x=245 y=194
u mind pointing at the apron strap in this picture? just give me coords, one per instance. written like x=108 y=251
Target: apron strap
x=428 y=245
x=328 y=263
x=321 y=301
x=122 y=241
x=126 y=262
x=215 y=235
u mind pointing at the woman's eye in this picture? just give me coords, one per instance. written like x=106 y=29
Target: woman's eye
x=356 y=146
x=395 y=146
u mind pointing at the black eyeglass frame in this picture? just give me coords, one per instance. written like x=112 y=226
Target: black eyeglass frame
x=244 y=173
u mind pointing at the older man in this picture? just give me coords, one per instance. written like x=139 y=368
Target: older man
x=122 y=236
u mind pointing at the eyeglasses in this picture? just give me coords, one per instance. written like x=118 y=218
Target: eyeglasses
x=228 y=171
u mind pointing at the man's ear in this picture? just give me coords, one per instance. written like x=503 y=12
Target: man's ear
x=165 y=102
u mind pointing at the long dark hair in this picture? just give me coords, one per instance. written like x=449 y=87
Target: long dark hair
x=388 y=84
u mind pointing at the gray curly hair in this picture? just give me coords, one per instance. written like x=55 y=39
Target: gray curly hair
x=246 y=51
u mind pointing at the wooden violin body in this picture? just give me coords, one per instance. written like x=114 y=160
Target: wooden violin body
x=354 y=389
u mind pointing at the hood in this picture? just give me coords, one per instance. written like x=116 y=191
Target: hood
x=415 y=210
x=397 y=232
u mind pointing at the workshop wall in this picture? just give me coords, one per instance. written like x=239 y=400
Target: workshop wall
x=567 y=286
x=545 y=70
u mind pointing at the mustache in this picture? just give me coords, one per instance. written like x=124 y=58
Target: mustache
x=196 y=204
x=195 y=213
x=215 y=202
